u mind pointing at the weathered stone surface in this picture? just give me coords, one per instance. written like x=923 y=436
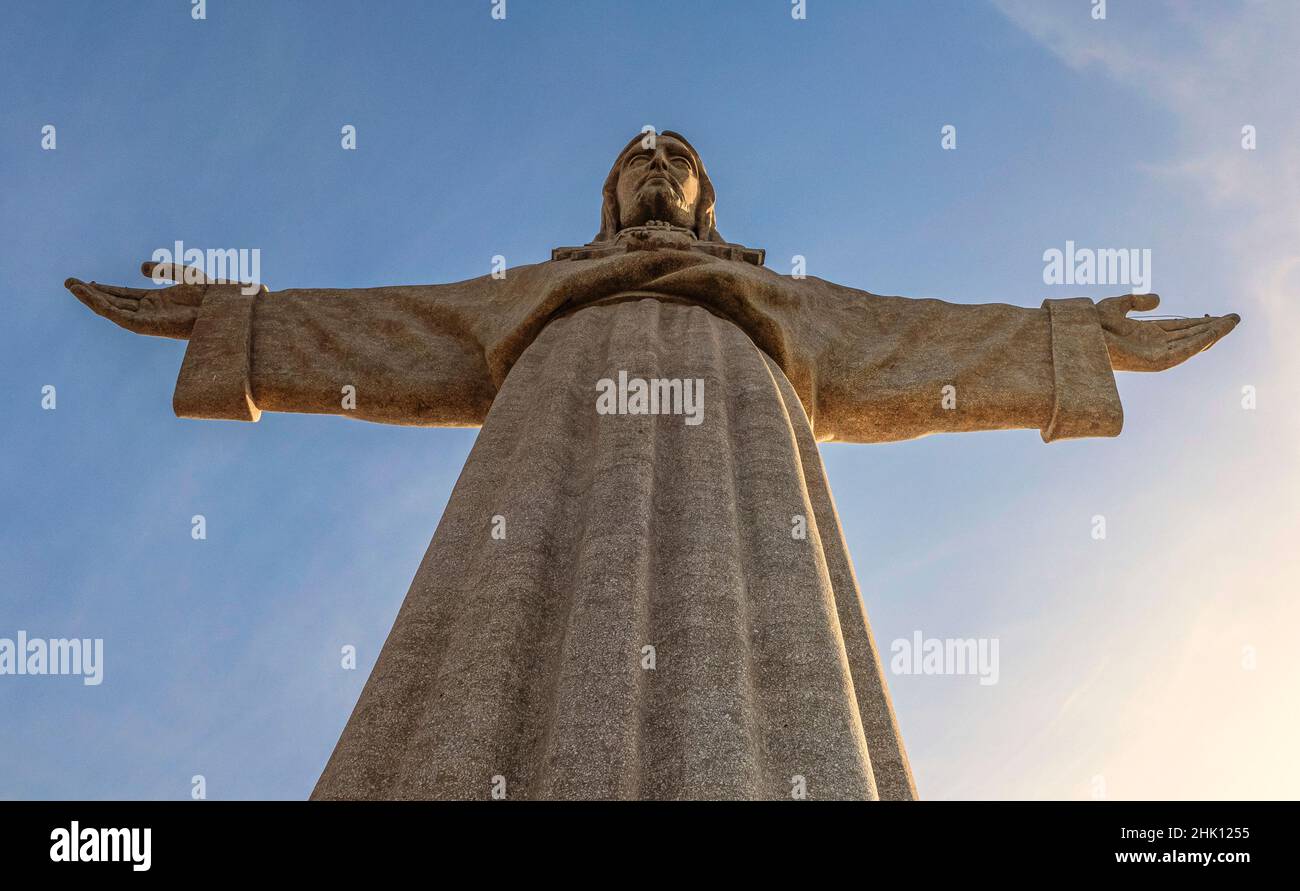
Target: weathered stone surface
x=522 y=657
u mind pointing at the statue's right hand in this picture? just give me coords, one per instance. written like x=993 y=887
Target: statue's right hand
x=164 y=312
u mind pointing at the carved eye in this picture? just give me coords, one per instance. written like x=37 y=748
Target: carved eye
x=637 y=161
x=681 y=162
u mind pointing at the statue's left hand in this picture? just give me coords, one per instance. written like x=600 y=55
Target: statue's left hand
x=1155 y=344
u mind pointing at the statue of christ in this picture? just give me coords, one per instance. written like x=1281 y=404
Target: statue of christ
x=639 y=587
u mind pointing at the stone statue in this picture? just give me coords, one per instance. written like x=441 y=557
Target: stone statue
x=629 y=596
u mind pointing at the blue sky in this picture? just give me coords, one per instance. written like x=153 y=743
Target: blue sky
x=1120 y=659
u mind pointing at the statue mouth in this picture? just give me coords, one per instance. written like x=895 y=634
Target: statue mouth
x=661 y=178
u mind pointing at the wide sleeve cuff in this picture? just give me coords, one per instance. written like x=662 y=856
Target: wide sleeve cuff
x=1085 y=401
x=215 y=375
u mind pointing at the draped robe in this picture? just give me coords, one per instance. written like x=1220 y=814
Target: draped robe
x=650 y=624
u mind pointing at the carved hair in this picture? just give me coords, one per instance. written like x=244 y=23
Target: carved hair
x=705 y=229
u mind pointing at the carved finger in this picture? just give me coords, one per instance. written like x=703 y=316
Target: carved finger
x=1180 y=324
x=123 y=303
x=160 y=273
x=1183 y=348
x=1127 y=303
x=132 y=294
x=122 y=298
x=98 y=302
x=1189 y=332
x=1219 y=325
x=92 y=297
x=109 y=295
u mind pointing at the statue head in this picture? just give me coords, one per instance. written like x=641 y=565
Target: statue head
x=658 y=178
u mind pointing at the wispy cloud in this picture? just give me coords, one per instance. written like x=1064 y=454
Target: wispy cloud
x=1181 y=715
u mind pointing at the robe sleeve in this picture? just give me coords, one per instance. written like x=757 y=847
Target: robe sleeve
x=894 y=368
x=411 y=354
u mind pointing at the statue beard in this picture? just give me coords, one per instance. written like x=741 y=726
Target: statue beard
x=660 y=201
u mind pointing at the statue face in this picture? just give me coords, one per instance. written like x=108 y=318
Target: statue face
x=660 y=183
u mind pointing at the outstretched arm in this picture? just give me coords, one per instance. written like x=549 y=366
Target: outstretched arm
x=400 y=355
x=897 y=368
